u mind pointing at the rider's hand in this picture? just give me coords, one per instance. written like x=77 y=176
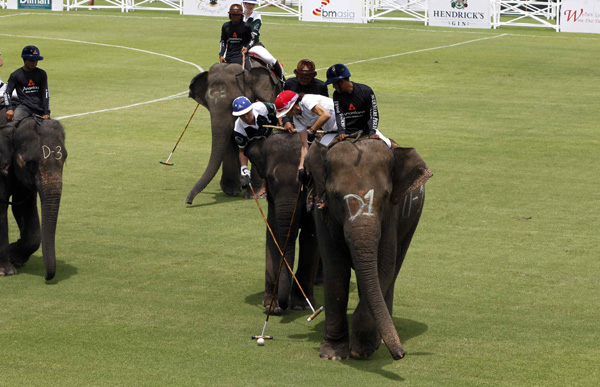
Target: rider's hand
x=289 y=127
x=46 y=116
x=221 y=59
x=342 y=136
x=302 y=176
x=374 y=136
x=245 y=172
x=10 y=115
x=244 y=50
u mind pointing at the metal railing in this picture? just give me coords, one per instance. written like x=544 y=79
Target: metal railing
x=526 y=13
x=398 y=10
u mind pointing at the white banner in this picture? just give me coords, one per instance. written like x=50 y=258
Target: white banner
x=460 y=13
x=338 y=11
x=580 y=16
x=208 y=7
x=54 y=5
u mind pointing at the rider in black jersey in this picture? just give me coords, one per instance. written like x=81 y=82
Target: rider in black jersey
x=236 y=37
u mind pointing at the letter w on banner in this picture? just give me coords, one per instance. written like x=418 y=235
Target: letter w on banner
x=580 y=16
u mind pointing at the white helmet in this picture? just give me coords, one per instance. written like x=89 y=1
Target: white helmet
x=250 y=1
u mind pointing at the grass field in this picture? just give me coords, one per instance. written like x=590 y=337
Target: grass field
x=500 y=285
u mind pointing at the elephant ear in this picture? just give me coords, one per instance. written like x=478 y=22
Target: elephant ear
x=263 y=83
x=198 y=88
x=6 y=148
x=315 y=164
x=410 y=172
x=254 y=151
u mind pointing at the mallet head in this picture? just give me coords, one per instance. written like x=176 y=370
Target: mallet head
x=166 y=163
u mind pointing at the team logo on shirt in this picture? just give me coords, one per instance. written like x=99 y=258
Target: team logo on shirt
x=351 y=107
x=31 y=83
x=235 y=35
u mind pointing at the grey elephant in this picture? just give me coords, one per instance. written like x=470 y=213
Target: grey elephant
x=276 y=159
x=32 y=159
x=216 y=89
x=374 y=196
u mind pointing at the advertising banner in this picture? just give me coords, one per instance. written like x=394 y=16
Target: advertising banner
x=55 y=5
x=580 y=16
x=208 y=7
x=337 y=11
x=460 y=13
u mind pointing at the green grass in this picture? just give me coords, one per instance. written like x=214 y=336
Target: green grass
x=500 y=286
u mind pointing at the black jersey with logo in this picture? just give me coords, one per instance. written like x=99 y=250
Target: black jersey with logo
x=233 y=38
x=32 y=90
x=356 y=111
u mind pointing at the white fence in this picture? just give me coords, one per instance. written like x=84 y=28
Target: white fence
x=525 y=13
x=415 y=10
x=128 y=5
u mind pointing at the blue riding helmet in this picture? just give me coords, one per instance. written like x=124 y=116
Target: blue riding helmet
x=241 y=106
x=31 y=53
x=337 y=72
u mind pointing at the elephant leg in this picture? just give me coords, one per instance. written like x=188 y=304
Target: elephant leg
x=336 y=270
x=231 y=182
x=26 y=215
x=307 y=267
x=6 y=268
x=272 y=259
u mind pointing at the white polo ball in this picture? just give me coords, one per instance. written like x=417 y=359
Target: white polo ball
x=260 y=341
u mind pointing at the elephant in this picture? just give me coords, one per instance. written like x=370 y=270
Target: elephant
x=372 y=201
x=216 y=89
x=32 y=157
x=276 y=159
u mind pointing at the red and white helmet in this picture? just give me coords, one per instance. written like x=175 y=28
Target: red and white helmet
x=284 y=102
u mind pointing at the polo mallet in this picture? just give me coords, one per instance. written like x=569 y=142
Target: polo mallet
x=315 y=313
x=171 y=155
x=262 y=335
x=281 y=128
x=243 y=65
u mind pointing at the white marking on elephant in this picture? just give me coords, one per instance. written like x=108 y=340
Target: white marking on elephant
x=407 y=200
x=361 y=207
x=217 y=92
x=48 y=152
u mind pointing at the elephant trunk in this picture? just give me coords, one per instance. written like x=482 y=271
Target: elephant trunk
x=283 y=211
x=50 y=195
x=363 y=237
x=220 y=138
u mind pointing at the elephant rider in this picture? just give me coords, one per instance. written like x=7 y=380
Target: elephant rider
x=310 y=112
x=254 y=20
x=236 y=37
x=251 y=118
x=31 y=85
x=304 y=82
x=355 y=105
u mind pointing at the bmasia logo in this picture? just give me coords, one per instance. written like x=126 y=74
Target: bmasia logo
x=459 y=4
x=319 y=11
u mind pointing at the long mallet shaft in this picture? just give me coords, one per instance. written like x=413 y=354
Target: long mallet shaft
x=177 y=143
x=279 y=248
x=276 y=127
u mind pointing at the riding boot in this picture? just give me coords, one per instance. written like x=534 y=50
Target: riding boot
x=278 y=70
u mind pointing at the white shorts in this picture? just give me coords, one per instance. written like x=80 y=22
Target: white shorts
x=264 y=54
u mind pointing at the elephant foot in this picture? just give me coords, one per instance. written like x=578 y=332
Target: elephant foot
x=7 y=269
x=334 y=350
x=17 y=256
x=364 y=344
x=299 y=303
x=275 y=308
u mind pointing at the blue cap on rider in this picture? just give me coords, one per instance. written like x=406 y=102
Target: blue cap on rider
x=337 y=72
x=241 y=106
